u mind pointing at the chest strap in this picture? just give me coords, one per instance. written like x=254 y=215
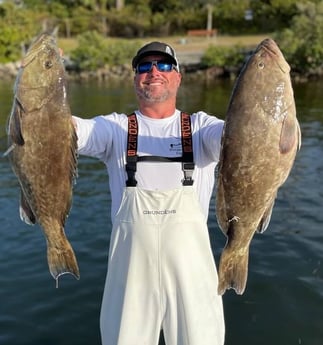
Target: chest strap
x=187 y=158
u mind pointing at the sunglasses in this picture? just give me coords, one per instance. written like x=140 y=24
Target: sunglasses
x=162 y=66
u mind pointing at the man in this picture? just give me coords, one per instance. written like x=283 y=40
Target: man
x=160 y=161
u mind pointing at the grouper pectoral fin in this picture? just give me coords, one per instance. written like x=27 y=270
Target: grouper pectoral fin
x=264 y=222
x=289 y=134
x=15 y=124
x=26 y=214
x=299 y=136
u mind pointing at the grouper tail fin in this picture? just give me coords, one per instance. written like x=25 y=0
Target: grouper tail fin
x=233 y=270
x=62 y=260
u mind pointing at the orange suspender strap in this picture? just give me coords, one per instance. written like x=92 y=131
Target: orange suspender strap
x=187 y=158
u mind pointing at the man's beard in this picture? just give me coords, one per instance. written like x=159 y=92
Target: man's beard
x=147 y=95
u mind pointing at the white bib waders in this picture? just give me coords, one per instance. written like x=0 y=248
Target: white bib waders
x=161 y=273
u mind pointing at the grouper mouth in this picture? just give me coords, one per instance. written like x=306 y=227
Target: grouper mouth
x=272 y=49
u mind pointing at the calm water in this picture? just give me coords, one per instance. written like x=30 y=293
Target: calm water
x=283 y=303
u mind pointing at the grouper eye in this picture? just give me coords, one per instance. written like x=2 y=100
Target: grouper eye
x=48 y=64
x=261 y=65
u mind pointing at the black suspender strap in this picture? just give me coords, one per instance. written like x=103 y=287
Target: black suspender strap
x=131 y=165
x=187 y=158
x=187 y=149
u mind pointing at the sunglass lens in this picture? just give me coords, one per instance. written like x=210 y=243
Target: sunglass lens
x=144 y=67
x=164 y=66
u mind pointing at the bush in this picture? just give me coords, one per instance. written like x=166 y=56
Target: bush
x=95 y=51
x=223 y=56
x=90 y=53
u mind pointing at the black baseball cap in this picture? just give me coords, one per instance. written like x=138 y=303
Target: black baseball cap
x=155 y=48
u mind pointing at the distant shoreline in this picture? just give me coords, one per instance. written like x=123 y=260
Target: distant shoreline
x=189 y=52
x=190 y=70
x=10 y=70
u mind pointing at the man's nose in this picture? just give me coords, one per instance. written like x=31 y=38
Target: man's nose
x=154 y=69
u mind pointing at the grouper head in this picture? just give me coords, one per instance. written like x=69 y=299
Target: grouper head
x=268 y=49
x=266 y=82
x=42 y=74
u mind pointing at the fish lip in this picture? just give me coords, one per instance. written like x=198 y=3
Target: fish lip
x=271 y=47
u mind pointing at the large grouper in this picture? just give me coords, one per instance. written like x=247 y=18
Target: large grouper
x=42 y=149
x=260 y=140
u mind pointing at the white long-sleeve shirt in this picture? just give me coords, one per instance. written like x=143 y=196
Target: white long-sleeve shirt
x=105 y=137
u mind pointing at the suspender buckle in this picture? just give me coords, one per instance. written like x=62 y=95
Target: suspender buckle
x=188 y=169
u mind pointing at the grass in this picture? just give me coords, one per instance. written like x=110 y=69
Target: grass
x=183 y=44
x=187 y=44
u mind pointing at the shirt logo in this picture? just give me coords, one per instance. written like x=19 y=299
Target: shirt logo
x=158 y=212
x=175 y=146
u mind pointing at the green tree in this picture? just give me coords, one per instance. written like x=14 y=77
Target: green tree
x=273 y=15
x=302 y=41
x=17 y=28
x=132 y=21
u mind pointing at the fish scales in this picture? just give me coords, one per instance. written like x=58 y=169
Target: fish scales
x=260 y=140
x=43 y=145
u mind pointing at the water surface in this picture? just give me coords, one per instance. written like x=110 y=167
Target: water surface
x=283 y=301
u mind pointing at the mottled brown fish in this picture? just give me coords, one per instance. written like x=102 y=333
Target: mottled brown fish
x=259 y=144
x=42 y=149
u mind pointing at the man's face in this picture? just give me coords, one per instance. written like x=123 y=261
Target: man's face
x=156 y=86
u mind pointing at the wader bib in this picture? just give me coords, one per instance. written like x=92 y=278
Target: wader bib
x=161 y=271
